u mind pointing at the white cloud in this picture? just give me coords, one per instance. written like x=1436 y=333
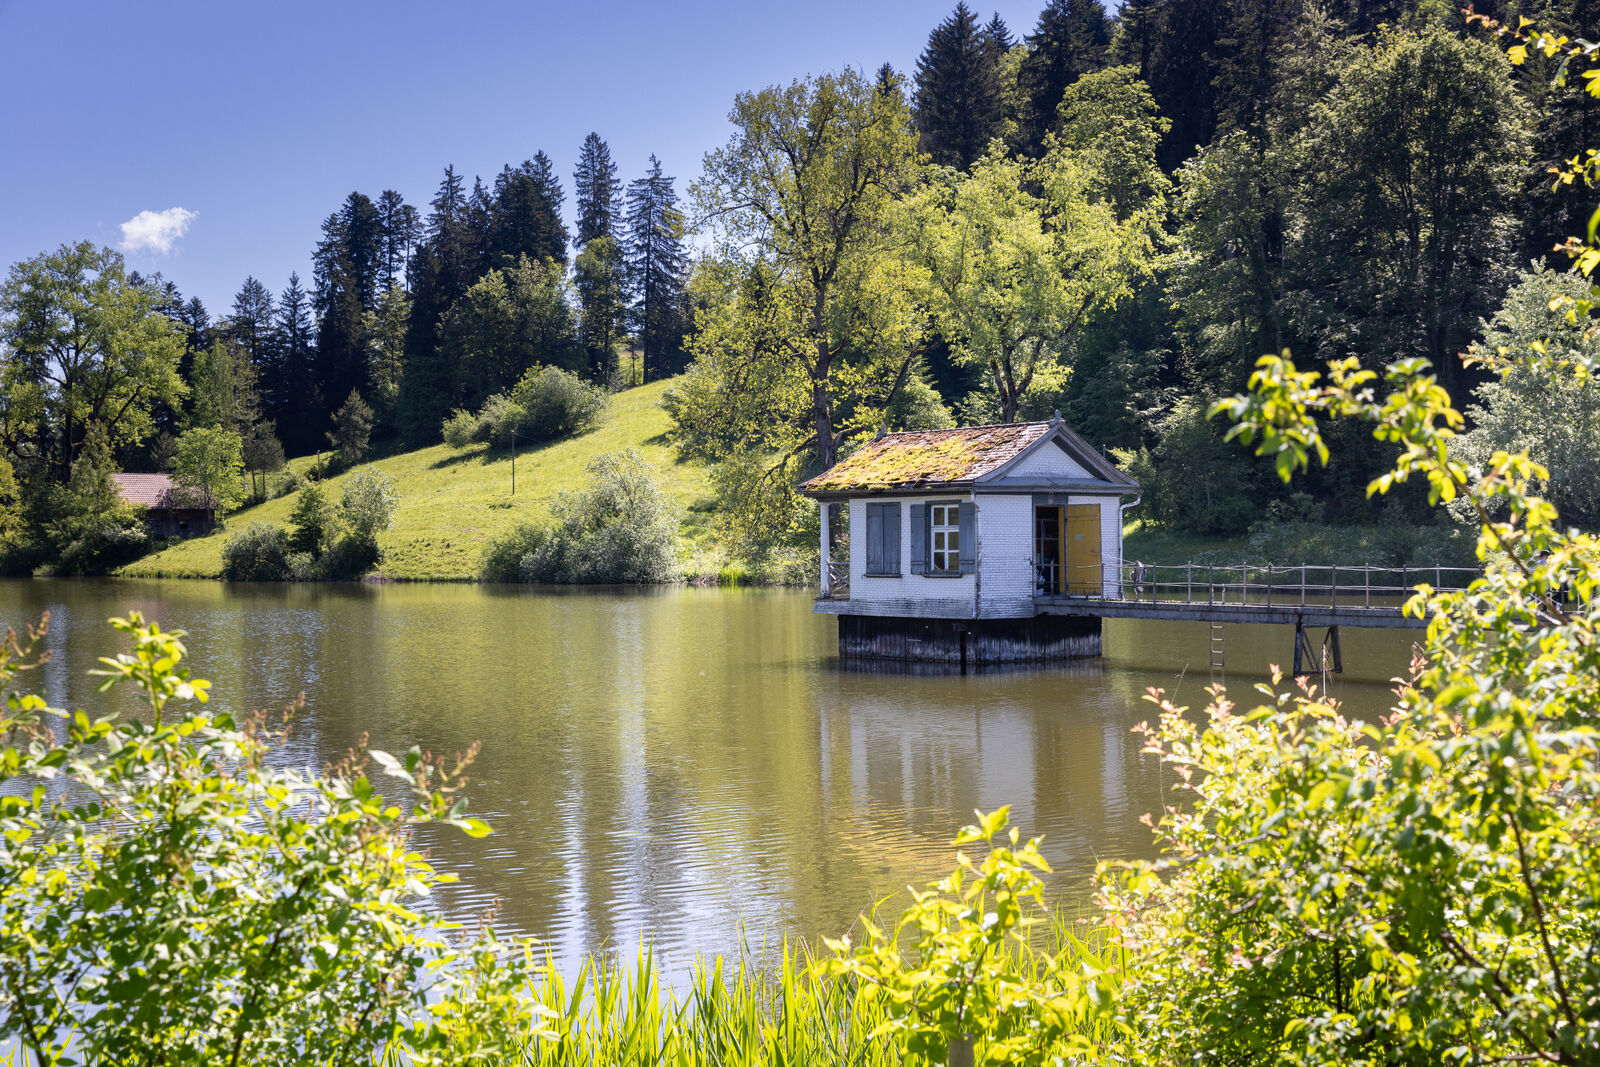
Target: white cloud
x=155 y=230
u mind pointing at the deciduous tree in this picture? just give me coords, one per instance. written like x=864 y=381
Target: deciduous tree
x=209 y=465
x=800 y=197
x=86 y=353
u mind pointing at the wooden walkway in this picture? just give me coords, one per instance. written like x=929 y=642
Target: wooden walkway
x=1303 y=595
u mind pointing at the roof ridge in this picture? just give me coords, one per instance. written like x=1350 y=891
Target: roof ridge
x=980 y=426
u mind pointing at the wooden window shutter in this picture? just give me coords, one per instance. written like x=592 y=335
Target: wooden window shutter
x=969 y=537
x=919 y=538
x=874 y=538
x=891 y=538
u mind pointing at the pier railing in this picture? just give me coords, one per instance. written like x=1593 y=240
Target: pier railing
x=1307 y=584
x=838 y=579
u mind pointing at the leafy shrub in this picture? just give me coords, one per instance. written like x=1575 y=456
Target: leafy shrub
x=502 y=557
x=557 y=403
x=258 y=553
x=288 y=482
x=1419 y=893
x=548 y=403
x=302 y=567
x=175 y=898
x=618 y=530
x=349 y=558
x=311 y=519
x=113 y=540
x=460 y=429
x=367 y=505
x=1394 y=544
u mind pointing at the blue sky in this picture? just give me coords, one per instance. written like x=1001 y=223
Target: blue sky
x=257 y=119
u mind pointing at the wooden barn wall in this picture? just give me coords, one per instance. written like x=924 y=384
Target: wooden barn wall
x=1043 y=639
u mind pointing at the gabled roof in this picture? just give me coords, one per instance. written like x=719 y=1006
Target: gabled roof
x=158 y=491
x=965 y=457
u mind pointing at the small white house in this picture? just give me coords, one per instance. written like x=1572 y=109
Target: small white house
x=974 y=523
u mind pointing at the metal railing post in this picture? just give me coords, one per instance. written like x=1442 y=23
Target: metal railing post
x=1367 y=592
x=1211 y=583
x=1302 y=585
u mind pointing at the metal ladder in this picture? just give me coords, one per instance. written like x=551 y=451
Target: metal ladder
x=1216 y=649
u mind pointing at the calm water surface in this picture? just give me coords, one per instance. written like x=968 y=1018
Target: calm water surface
x=672 y=765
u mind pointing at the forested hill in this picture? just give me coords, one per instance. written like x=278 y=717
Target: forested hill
x=1109 y=215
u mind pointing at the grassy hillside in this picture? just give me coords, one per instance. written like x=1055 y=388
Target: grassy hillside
x=452 y=503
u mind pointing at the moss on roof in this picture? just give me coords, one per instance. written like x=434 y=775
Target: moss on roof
x=927 y=457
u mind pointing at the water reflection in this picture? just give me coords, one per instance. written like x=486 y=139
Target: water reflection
x=669 y=764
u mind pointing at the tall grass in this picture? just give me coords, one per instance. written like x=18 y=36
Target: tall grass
x=738 y=1010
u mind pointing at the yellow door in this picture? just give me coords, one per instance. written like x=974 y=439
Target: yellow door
x=1083 y=550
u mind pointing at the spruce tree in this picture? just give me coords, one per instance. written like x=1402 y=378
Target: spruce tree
x=999 y=35
x=289 y=392
x=524 y=216
x=551 y=197
x=250 y=324
x=595 y=184
x=402 y=226
x=657 y=265
x=1248 y=52
x=1070 y=40
x=958 y=104
x=487 y=238
x=441 y=270
x=1182 y=75
x=1139 y=28
x=348 y=273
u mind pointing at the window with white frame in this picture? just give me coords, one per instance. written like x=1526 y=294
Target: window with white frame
x=944 y=524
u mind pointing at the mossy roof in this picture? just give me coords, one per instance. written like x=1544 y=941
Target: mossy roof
x=921 y=459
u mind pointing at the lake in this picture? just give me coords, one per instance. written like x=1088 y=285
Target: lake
x=687 y=766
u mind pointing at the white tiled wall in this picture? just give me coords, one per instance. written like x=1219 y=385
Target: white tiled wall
x=1049 y=460
x=1005 y=561
x=943 y=597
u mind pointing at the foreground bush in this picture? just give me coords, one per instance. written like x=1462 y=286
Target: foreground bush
x=170 y=898
x=1419 y=892
x=619 y=530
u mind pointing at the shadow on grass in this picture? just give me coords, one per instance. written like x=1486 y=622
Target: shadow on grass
x=455 y=459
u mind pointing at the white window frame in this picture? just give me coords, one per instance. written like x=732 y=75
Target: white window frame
x=944 y=538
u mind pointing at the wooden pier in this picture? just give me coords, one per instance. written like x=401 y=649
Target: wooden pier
x=1300 y=595
x=1303 y=597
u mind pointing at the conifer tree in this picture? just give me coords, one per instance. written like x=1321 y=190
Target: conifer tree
x=595 y=184
x=402 y=226
x=486 y=238
x=657 y=264
x=551 y=198
x=348 y=273
x=250 y=325
x=524 y=215
x=1070 y=40
x=290 y=393
x=958 y=103
x=999 y=35
x=440 y=272
x=1247 y=59
x=1139 y=27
